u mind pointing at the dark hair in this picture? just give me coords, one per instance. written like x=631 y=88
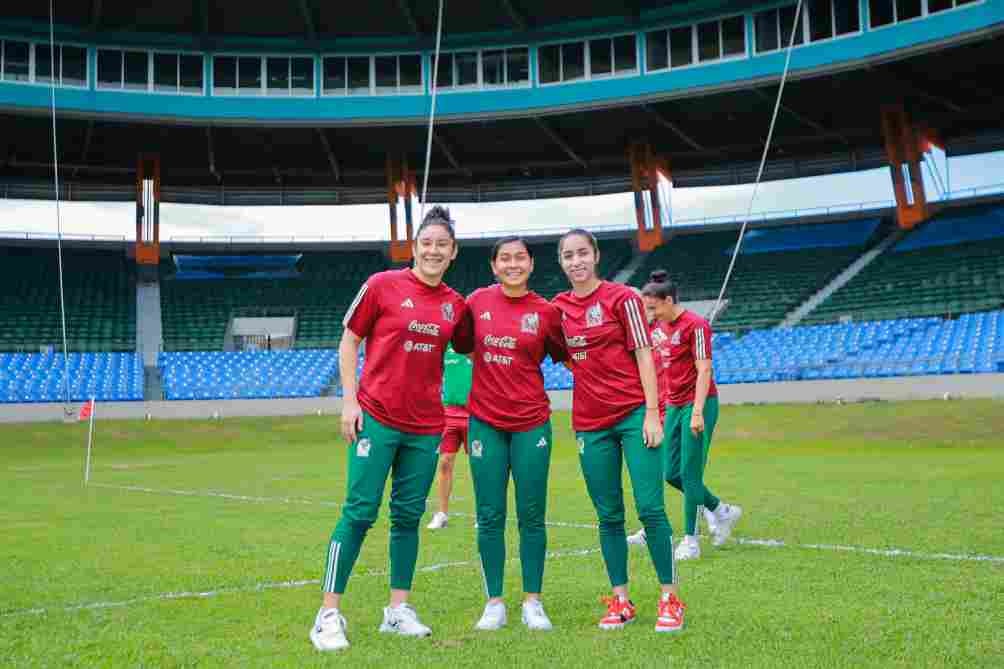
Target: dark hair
x=508 y=240
x=438 y=215
x=583 y=233
x=660 y=286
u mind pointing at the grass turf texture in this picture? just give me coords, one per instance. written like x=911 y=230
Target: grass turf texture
x=923 y=476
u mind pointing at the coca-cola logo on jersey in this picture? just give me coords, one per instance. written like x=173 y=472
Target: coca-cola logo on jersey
x=500 y=342
x=424 y=328
x=577 y=341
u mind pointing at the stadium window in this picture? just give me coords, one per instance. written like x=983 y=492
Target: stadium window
x=249 y=75
x=820 y=20
x=734 y=37
x=410 y=69
x=16 y=61
x=786 y=18
x=190 y=73
x=709 y=46
x=907 y=9
x=358 y=75
x=681 y=46
x=136 y=70
x=444 y=71
x=846 y=18
x=493 y=68
x=43 y=63
x=550 y=63
x=881 y=12
x=165 y=72
x=466 y=66
x=625 y=54
x=277 y=76
x=301 y=76
x=601 y=58
x=334 y=75
x=385 y=73
x=573 y=61
x=224 y=74
x=109 y=69
x=934 y=6
x=656 y=50
x=517 y=66
x=765 y=25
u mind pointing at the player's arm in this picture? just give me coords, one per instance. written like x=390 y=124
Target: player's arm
x=702 y=361
x=348 y=358
x=650 y=386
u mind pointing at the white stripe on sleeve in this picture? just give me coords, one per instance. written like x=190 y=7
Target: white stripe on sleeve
x=355 y=303
x=639 y=330
x=700 y=345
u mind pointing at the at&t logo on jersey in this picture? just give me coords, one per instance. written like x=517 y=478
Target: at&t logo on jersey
x=476 y=449
x=363 y=448
x=447 y=310
x=594 y=316
x=530 y=323
x=418 y=347
x=497 y=359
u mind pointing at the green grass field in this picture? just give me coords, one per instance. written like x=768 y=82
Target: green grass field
x=241 y=510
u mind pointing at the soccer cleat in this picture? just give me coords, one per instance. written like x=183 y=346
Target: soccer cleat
x=726 y=517
x=670 y=618
x=328 y=631
x=637 y=539
x=439 y=521
x=403 y=620
x=688 y=549
x=493 y=618
x=620 y=612
x=534 y=617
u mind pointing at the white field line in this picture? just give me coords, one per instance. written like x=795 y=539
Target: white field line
x=261 y=587
x=769 y=543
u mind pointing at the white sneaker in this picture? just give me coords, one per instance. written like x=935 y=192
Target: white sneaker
x=726 y=517
x=328 y=631
x=494 y=617
x=688 y=549
x=534 y=617
x=637 y=539
x=439 y=521
x=710 y=521
x=403 y=620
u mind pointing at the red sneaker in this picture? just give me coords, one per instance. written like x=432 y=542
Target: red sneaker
x=620 y=612
x=670 y=614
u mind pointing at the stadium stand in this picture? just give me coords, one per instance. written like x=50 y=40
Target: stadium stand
x=246 y=374
x=777 y=269
x=196 y=312
x=100 y=291
x=952 y=265
x=38 y=377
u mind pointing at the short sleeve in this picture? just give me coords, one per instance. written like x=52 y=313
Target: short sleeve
x=631 y=314
x=363 y=311
x=463 y=333
x=554 y=338
x=701 y=336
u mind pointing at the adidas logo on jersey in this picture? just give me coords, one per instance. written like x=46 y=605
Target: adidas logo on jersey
x=542 y=443
x=407 y=304
x=486 y=316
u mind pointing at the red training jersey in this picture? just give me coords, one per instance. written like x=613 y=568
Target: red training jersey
x=689 y=340
x=660 y=354
x=601 y=332
x=406 y=325
x=509 y=337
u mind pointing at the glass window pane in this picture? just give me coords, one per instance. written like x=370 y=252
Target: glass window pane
x=15 y=61
x=385 y=69
x=165 y=72
x=656 y=50
x=625 y=54
x=734 y=36
x=681 y=49
x=225 y=73
x=847 y=18
x=359 y=75
x=493 y=68
x=74 y=66
x=334 y=75
x=109 y=68
x=765 y=24
x=467 y=68
x=600 y=57
x=820 y=20
x=573 y=61
x=444 y=73
x=411 y=70
x=549 y=57
x=191 y=73
x=708 y=44
x=249 y=75
x=518 y=66
x=43 y=62
x=938 y=5
x=907 y=9
x=880 y=12
x=302 y=76
x=787 y=21
x=277 y=73
x=137 y=72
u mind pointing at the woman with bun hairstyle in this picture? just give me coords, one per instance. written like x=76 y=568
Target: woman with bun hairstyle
x=691 y=402
x=615 y=414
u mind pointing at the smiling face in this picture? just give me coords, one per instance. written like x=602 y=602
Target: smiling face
x=513 y=265
x=578 y=259
x=434 y=249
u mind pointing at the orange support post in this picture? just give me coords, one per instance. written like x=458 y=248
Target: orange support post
x=148 y=209
x=903 y=146
x=645 y=171
x=400 y=185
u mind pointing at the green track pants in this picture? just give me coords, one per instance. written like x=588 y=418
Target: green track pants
x=686 y=457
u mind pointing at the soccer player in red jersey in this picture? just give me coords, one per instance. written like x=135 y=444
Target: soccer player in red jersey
x=510 y=426
x=407 y=317
x=615 y=413
x=691 y=400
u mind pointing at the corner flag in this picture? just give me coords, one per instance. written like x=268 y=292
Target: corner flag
x=86 y=410
x=87 y=413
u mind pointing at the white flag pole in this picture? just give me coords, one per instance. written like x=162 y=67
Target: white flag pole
x=90 y=436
